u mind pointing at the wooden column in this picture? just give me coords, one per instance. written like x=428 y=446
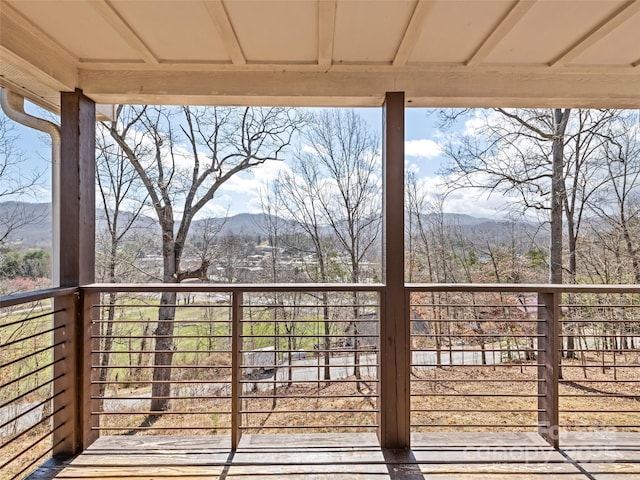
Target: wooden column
x=394 y=417
x=77 y=253
x=548 y=366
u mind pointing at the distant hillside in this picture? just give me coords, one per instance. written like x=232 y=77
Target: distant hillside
x=34 y=234
x=37 y=234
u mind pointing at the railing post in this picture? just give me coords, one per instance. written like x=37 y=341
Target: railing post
x=65 y=374
x=236 y=387
x=548 y=366
x=88 y=390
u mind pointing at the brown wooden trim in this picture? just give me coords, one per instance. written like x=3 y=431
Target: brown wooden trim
x=28 y=297
x=88 y=376
x=395 y=349
x=65 y=422
x=520 y=287
x=232 y=287
x=548 y=366
x=236 y=374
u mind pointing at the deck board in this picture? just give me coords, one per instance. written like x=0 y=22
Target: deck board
x=442 y=456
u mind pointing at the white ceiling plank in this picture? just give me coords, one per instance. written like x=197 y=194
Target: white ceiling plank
x=7 y=11
x=508 y=22
x=220 y=18
x=620 y=16
x=412 y=32
x=109 y=13
x=326 y=30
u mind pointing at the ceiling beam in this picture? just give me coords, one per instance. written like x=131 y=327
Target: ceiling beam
x=412 y=32
x=220 y=18
x=613 y=21
x=27 y=48
x=433 y=87
x=326 y=30
x=501 y=30
x=109 y=13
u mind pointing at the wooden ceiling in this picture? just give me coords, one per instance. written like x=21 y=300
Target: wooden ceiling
x=324 y=52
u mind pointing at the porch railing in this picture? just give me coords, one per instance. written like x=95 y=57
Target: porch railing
x=36 y=378
x=243 y=358
x=293 y=358
x=550 y=358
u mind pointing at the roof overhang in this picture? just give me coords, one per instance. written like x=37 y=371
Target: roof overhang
x=473 y=53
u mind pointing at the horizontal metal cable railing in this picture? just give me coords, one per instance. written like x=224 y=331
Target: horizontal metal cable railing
x=521 y=357
x=600 y=381
x=309 y=361
x=223 y=359
x=33 y=378
x=192 y=391
x=475 y=361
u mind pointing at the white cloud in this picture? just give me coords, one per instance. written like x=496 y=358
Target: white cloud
x=471 y=201
x=250 y=182
x=306 y=148
x=241 y=193
x=412 y=168
x=423 y=148
x=219 y=207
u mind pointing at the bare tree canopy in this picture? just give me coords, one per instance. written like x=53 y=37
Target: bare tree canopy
x=547 y=160
x=182 y=156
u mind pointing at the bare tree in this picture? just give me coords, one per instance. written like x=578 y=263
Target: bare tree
x=349 y=195
x=118 y=184
x=15 y=181
x=618 y=204
x=519 y=152
x=550 y=158
x=183 y=156
x=296 y=191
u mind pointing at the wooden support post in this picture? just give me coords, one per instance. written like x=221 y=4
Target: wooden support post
x=548 y=366
x=394 y=418
x=77 y=244
x=236 y=358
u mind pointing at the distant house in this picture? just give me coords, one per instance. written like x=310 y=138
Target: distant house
x=367 y=331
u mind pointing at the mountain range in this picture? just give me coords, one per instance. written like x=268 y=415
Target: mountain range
x=37 y=233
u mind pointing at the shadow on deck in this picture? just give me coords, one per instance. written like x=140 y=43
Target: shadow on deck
x=355 y=456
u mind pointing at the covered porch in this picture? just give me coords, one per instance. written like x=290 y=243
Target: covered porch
x=78 y=59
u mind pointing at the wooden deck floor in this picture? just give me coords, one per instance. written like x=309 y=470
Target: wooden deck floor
x=521 y=456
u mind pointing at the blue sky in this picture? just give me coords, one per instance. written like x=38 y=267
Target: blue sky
x=241 y=195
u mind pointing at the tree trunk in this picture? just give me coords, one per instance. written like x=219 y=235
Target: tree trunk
x=164 y=345
x=557 y=199
x=163 y=353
